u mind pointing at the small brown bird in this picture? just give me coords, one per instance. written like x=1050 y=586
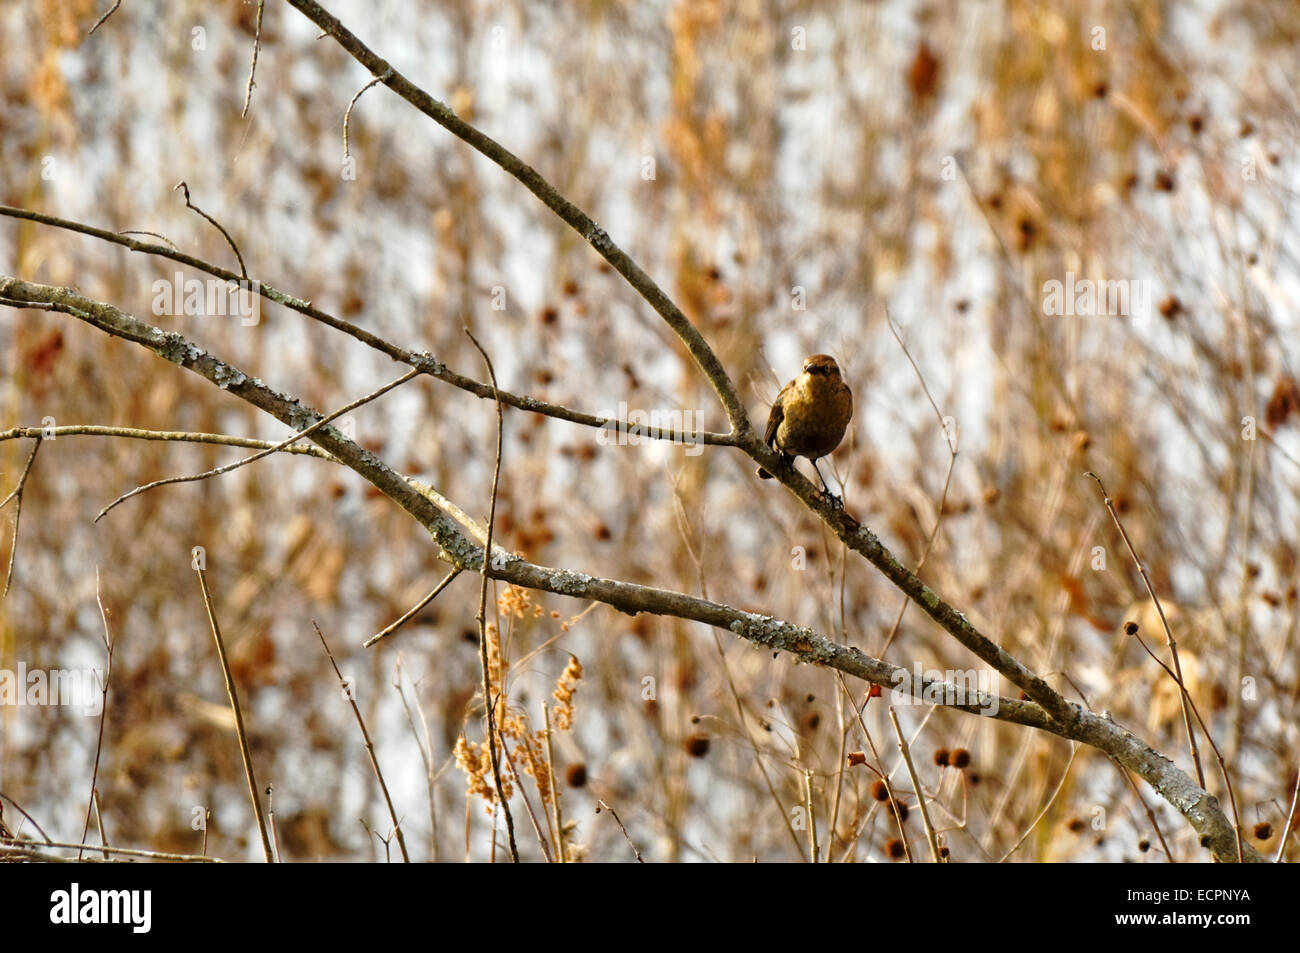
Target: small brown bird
x=809 y=416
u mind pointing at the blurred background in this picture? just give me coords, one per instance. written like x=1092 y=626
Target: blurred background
x=795 y=175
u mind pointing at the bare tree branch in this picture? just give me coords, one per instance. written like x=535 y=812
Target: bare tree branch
x=176 y=436
x=1063 y=718
x=422 y=360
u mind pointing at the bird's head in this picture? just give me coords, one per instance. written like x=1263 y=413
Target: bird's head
x=822 y=365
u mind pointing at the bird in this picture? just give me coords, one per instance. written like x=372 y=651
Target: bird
x=810 y=415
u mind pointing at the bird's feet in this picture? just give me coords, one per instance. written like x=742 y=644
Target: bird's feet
x=833 y=501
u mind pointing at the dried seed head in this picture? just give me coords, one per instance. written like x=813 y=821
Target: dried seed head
x=575 y=775
x=697 y=745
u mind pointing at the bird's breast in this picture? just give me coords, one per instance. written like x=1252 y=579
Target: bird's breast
x=815 y=417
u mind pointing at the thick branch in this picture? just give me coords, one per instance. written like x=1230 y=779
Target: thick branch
x=1200 y=808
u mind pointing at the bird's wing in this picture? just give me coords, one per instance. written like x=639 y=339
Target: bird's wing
x=775 y=417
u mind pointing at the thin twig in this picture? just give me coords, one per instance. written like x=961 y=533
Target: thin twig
x=124 y=851
x=1169 y=635
x=141 y=231
x=176 y=436
x=230 y=241
x=253 y=793
x=34 y=305
x=925 y=553
x=1074 y=749
x=1268 y=437
x=1218 y=755
x=370 y=747
x=109 y=644
x=601 y=805
x=813 y=849
x=748 y=736
x=17 y=491
x=488 y=701
x=414 y=610
x=169 y=481
x=347 y=116
x=17 y=495
x=555 y=788
x=99 y=824
x=952 y=441
x=19 y=808
x=879 y=767
x=1151 y=816
x=100 y=21
x=424 y=746
x=270 y=820
x=1290 y=819
x=252 y=69
x=683 y=524
x=528 y=804
x=841 y=757
x=916 y=786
